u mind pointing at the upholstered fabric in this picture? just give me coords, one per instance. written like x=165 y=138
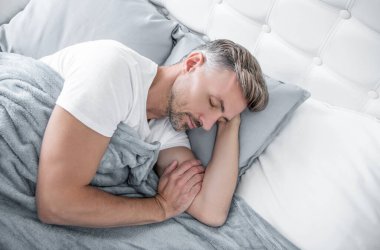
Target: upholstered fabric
x=329 y=47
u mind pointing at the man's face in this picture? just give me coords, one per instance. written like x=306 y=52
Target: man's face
x=199 y=97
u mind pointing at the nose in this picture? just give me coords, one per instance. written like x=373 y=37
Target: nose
x=208 y=121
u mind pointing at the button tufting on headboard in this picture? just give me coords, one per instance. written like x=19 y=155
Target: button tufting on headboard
x=330 y=47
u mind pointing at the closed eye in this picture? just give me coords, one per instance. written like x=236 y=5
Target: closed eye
x=211 y=103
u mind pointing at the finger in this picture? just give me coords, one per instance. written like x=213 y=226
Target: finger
x=202 y=167
x=170 y=168
x=184 y=166
x=195 y=180
x=195 y=189
x=191 y=172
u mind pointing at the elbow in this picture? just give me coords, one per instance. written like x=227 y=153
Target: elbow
x=213 y=219
x=47 y=209
x=46 y=213
x=214 y=215
x=218 y=221
x=44 y=217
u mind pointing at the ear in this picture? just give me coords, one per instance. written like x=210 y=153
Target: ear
x=193 y=60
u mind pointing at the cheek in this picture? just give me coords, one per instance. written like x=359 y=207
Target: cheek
x=194 y=98
x=179 y=96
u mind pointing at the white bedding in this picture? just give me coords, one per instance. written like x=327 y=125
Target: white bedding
x=318 y=182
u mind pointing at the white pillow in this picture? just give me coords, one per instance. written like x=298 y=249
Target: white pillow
x=318 y=182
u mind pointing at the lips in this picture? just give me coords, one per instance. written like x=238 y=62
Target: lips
x=191 y=124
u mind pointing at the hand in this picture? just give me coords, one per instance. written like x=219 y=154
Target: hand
x=234 y=122
x=235 y=119
x=178 y=186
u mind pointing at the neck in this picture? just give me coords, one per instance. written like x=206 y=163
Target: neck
x=159 y=91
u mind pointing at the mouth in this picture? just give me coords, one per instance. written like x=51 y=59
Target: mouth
x=191 y=123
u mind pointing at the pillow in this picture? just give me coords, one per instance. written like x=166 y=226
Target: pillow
x=10 y=8
x=184 y=41
x=257 y=129
x=46 y=26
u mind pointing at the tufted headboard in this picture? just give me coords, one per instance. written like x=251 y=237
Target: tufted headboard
x=329 y=47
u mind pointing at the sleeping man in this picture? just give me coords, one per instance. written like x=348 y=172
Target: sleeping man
x=107 y=83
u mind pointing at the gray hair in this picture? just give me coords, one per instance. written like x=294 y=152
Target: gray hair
x=225 y=54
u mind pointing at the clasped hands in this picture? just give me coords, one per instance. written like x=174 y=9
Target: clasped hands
x=178 y=187
x=181 y=183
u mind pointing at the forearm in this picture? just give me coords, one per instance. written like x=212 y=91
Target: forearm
x=91 y=207
x=221 y=174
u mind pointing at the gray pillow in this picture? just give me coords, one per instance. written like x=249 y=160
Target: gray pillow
x=45 y=26
x=257 y=129
x=184 y=41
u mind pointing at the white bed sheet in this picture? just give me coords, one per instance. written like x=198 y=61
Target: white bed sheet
x=318 y=182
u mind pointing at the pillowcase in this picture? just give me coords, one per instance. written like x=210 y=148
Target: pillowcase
x=10 y=8
x=46 y=26
x=257 y=129
x=184 y=42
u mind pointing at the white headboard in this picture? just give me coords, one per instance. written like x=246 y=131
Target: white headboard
x=330 y=47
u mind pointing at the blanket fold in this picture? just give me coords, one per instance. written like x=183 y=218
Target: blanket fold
x=28 y=90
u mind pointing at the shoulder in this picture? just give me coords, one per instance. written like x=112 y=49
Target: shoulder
x=115 y=56
x=92 y=52
x=104 y=52
x=99 y=56
x=98 y=47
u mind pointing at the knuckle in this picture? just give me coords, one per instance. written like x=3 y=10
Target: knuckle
x=193 y=171
x=201 y=170
x=195 y=162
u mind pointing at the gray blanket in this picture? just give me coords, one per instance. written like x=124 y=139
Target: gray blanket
x=28 y=90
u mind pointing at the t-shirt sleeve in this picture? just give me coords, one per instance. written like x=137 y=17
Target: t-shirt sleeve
x=97 y=89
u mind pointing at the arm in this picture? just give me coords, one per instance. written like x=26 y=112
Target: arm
x=70 y=155
x=212 y=203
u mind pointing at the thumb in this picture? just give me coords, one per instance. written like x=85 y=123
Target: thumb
x=170 y=168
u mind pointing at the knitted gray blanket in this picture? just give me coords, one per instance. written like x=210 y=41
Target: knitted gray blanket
x=28 y=90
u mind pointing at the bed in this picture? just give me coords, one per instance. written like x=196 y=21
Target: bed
x=317 y=178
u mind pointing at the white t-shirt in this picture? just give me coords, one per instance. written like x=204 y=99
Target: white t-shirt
x=107 y=83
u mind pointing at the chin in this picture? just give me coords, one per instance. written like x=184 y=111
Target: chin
x=177 y=128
